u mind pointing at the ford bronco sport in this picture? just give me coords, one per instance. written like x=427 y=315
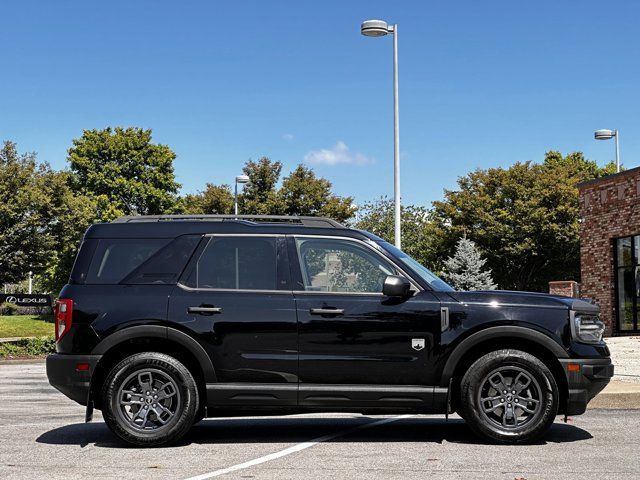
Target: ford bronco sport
x=170 y=319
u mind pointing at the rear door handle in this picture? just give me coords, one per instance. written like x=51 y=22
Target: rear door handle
x=204 y=310
x=326 y=311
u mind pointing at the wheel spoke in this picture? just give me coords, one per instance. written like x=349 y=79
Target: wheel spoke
x=527 y=409
x=163 y=410
x=493 y=408
x=144 y=419
x=527 y=399
x=129 y=397
x=521 y=382
x=145 y=379
x=491 y=399
x=498 y=384
x=166 y=390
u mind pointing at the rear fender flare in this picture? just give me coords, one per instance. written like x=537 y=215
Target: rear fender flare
x=167 y=333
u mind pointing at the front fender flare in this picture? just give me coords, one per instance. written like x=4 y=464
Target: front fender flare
x=493 y=333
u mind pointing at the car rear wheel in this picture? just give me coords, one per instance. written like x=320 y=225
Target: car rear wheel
x=151 y=399
x=509 y=396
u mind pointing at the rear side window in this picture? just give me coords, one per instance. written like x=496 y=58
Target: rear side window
x=236 y=263
x=165 y=266
x=115 y=258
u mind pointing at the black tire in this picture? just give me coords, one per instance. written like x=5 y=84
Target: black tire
x=150 y=399
x=494 y=412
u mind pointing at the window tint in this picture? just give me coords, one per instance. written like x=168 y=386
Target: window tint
x=114 y=259
x=246 y=263
x=341 y=266
x=165 y=266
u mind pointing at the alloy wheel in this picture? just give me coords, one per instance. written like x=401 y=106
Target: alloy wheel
x=148 y=399
x=510 y=397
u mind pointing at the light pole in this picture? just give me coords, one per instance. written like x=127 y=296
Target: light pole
x=606 y=134
x=379 y=28
x=239 y=179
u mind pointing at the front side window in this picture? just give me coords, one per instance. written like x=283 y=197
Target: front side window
x=236 y=263
x=334 y=265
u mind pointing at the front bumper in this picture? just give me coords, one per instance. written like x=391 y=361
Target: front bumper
x=64 y=375
x=585 y=378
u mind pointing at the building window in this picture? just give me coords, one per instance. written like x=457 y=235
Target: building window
x=627 y=282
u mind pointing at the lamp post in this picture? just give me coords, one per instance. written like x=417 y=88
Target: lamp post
x=379 y=28
x=606 y=134
x=239 y=179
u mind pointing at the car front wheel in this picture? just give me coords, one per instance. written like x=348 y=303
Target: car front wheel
x=151 y=399
x=509 y=396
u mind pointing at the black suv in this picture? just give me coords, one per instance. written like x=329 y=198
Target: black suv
x=170 y=319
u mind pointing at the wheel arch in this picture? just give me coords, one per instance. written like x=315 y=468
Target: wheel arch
x=156 y=338
x=498 y=338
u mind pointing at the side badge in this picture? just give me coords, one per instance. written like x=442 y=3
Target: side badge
x=417 y=343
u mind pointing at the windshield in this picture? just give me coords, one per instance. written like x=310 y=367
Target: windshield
x=424 y=273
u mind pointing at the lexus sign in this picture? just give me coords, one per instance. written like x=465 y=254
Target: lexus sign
x=26 y=300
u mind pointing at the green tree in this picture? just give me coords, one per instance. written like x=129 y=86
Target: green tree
x=24 y=191
x=215 y=199
x=418 y=229
x=303 y=193
x=73 y=214
x=41 y=220
x=124 y=171
x=465 y=269
x=525 y=219
x=260 y=196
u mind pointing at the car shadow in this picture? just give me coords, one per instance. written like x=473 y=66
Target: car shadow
x=303 y=429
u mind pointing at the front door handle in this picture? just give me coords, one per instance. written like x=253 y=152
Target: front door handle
x=204 y=310
x=326 y=311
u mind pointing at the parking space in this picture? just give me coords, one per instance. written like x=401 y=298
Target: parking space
x=42 y=435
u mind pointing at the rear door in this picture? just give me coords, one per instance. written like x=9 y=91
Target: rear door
x=235 y=298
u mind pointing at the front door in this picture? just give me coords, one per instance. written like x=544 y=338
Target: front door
x=349 y=332
x=236 y=300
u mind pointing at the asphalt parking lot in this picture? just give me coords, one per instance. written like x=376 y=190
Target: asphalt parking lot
x=42 y=435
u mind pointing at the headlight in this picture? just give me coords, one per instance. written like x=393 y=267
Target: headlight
x=586 y=327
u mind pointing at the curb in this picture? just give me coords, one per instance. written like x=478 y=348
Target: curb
x=618 y=395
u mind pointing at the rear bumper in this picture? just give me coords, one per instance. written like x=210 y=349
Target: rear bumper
x=64 y=375
x=586 y=381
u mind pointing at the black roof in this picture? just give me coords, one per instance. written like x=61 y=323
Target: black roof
x=171 y=226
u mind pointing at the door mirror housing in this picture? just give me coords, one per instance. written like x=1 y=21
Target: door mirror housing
x=396 y=286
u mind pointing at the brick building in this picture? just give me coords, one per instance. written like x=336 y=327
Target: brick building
x=610 y=248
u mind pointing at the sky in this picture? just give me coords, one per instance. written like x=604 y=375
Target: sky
x=482 y=84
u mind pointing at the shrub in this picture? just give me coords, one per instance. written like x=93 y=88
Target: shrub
x=8 y=308
x=28 y=347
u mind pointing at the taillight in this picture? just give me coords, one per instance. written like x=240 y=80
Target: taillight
x=63 y=312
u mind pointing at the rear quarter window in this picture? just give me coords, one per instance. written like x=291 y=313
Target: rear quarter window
x=115 y=258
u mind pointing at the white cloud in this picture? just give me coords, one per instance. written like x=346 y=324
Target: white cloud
x=287 y=136
x=338 y=154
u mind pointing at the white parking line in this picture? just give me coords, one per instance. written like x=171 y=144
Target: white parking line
x=295 y=448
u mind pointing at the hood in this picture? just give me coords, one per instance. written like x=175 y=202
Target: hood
x=529 y=299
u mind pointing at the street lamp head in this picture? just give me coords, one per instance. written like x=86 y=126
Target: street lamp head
x=242 y=179
x=604 y=134
x=374 y=28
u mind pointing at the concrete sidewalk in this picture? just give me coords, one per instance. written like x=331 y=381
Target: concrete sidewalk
x=624 y=389
x=625 y=354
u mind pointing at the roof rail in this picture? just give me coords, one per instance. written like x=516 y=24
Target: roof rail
x=306 y=221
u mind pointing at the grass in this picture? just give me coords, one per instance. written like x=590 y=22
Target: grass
x=26 y=326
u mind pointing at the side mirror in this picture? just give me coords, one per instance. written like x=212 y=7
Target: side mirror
x=396 y=286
